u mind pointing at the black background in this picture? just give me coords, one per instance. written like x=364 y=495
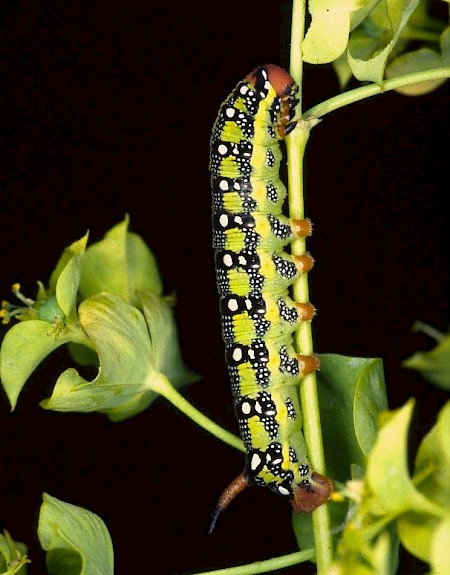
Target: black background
x=107 y=109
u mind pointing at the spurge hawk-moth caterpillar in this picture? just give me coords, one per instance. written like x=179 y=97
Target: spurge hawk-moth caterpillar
x=253 y=276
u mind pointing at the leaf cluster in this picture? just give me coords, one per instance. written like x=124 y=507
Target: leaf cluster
x=387 y=506
x=99 y=300
x=390 y=505
x=76 y=542
x=433 y=365
x=373 y=39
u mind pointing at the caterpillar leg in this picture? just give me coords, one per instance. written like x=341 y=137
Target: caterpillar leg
x=308 y=363
x=317 y=491
x=302 y=228
x=235 y=487
x=304 y=263
x=306 y=311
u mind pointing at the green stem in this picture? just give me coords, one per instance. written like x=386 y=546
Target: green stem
x=297 y=34
x=296 y=145
x=410 y=33
x=363 y=92
x=166 y=389
x=268 y=566
x=429 y=330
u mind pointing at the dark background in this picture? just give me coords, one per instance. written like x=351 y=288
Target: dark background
x=107 y=108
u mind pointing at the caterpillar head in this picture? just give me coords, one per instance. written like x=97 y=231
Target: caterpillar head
x=282 y=82
x=286 y=90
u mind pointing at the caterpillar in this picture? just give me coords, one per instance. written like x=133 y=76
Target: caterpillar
x=253 y=276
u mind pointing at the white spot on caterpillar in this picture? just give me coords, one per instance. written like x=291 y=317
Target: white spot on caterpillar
x=255 y=461
x=230 y=112
x=223 y=185
x=228 y=260
x=242 y=261
x=237 y=354
x=233 y=305
x=222 y=149
x=246 y=408
x=258 y=407
x=243 y=90
x=238 y=220
x=278 y=461
x=223 y=220
x=251 y=354
x=248 y=304
x=282 y=490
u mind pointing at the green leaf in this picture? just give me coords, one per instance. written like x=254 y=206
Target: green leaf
x=387 y=469
x=432 y=467
x=129 y=377
x=121 y=264
x=158 y=313
x=342 y=70
x=383 y=31
x=382 y=556
x=440 y=549
x=351 y=394
x=123 y=385
x=331 y=22
x=369 y=400
x=25 y=345
x=416 y=531
x=76 y=540
x=421 y=60
x=431 y=477
x=67 y=275
x=68 y=279
x=433 y=365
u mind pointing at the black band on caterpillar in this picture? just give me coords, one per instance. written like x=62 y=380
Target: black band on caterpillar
x=254 y=275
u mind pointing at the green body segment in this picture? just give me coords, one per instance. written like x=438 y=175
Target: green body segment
x=254 y=274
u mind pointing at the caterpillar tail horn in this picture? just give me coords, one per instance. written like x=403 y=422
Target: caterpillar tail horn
x=235 y=487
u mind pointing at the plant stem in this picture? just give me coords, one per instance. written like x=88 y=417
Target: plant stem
x=297 y=34
x=166 y=389
x=411 y=33
x=296 y=145
x=429 y=330
x=268 y=566
x=363 y=92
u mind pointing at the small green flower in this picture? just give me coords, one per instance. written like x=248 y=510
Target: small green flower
x=13 y=555
x=24 y=312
